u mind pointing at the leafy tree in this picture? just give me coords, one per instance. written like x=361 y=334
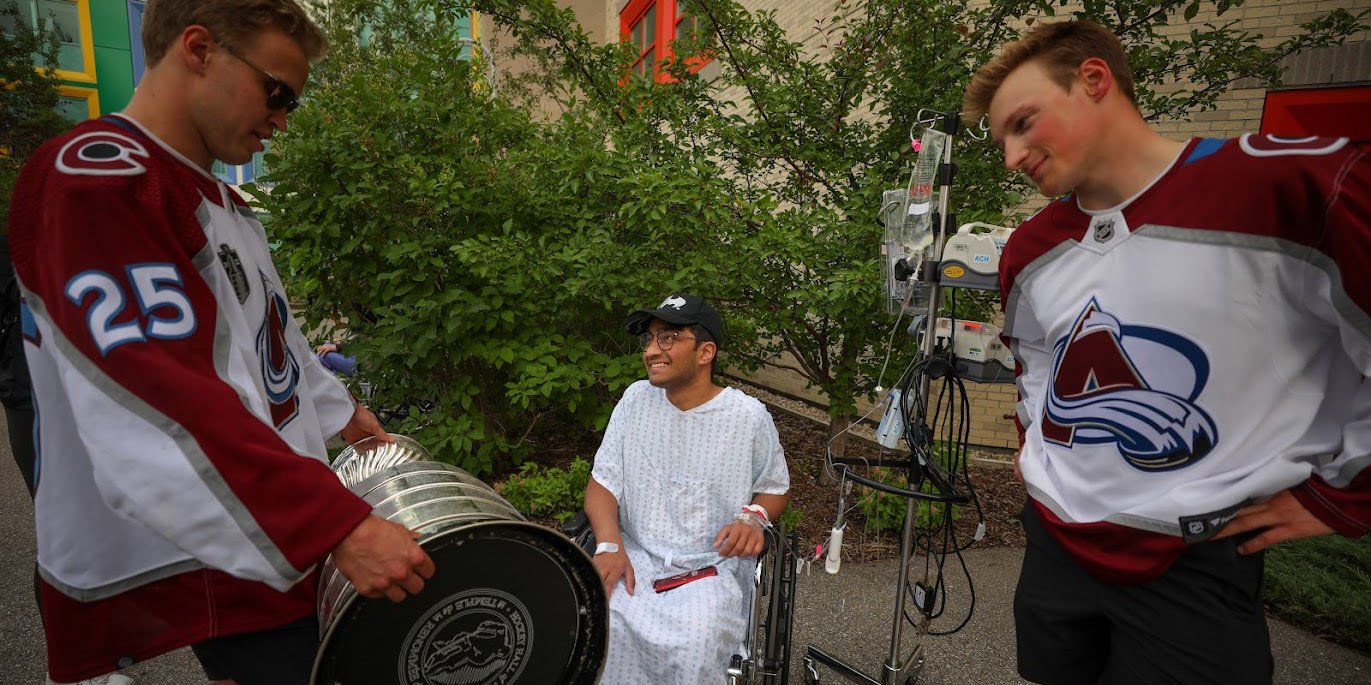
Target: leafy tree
x=28 y=95
x=485 y=256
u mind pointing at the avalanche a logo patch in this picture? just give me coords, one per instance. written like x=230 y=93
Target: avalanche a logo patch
x=478 y=636
x=1130 y=385
x=279 y=368
x=102 y=153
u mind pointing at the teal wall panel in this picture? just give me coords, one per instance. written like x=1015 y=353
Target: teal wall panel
x=109 y=21
x=114 y=70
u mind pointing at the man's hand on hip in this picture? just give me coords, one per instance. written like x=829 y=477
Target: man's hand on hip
x=1280 y=518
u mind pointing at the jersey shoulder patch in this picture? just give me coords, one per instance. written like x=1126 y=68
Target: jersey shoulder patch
x=102 y=153
x=1265 y=145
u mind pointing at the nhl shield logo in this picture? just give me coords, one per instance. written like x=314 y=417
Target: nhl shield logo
x=1104 y=230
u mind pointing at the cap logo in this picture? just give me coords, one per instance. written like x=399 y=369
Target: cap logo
x=675 y=302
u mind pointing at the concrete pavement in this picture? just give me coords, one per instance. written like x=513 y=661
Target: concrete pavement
x=848 y=615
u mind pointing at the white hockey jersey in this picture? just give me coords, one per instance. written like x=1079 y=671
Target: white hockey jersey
x=182 y=488
x=1203 y=345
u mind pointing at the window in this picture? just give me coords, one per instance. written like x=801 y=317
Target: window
x=70 y=19
x=651 y=26
x=77 y=104
x=136 y=9
x=687 y=24
x=240 y=174
x=643 y=35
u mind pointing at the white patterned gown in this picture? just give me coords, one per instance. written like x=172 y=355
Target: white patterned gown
x=679 y=477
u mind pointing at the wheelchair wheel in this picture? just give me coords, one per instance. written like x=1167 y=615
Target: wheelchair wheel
x=770 y=664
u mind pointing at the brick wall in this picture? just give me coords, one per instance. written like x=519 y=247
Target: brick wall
x=1239 y=110
x=992 y=411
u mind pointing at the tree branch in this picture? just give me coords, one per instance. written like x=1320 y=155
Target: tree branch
x=803 y=171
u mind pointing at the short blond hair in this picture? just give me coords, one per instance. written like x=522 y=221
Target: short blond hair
x=234 y=22
x=1061 y=47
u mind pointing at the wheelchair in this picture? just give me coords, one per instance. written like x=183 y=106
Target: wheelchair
x=764 y=656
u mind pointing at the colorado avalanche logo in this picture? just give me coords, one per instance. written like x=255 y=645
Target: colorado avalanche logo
x=1130 y=385
x=280 y=370
x=102 y=153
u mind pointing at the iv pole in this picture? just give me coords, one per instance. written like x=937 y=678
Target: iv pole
x=894 y=671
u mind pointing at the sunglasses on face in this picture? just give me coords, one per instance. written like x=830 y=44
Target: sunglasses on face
x=279 y=94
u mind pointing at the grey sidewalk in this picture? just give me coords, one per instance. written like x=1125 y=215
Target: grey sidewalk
x=848 y=615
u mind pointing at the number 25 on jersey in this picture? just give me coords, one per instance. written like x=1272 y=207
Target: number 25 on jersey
x=156 y=287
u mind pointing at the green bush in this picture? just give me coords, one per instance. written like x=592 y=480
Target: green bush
x=481 y=259
x=791 y=518
x=884 y=511
x=547 y=491
x=1323 y=584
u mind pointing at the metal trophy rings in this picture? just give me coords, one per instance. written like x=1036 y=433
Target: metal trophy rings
x=510 y=601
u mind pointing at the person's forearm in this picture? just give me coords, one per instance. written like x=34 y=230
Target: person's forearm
x=603 y=511
x=774 y=504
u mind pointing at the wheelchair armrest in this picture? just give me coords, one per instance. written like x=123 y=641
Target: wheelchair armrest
x=578 y=529
x=574 y=525
x=771 y=538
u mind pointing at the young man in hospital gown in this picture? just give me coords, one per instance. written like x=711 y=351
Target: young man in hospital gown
x=686 y=479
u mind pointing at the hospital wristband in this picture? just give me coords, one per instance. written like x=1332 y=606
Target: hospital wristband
x=752 y=518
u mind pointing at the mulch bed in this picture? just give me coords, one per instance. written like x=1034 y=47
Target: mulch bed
x=1000 y=495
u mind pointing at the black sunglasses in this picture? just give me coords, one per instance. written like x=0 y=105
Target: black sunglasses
x=279 y=93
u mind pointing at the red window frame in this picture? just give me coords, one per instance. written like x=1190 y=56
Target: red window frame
x=665 y=20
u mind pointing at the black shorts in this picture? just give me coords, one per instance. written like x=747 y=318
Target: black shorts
x=277 y=656
x=1201 y=622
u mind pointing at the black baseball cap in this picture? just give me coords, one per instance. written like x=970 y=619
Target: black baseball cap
x=679 y=310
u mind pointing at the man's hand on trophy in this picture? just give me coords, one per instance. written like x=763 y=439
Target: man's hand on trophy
x=381 y=558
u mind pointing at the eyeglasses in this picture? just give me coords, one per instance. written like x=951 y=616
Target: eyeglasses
x=279 y=93
x=665 y=339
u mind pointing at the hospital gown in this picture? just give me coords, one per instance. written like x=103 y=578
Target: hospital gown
x=679 y=477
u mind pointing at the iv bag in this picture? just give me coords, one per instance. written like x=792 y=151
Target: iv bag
x=908 y=218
